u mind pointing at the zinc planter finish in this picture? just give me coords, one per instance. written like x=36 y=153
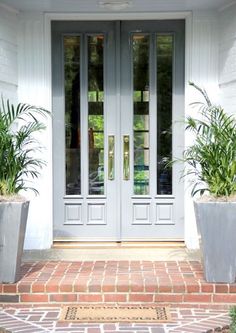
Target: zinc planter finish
x=13 y=218
x=216 y=224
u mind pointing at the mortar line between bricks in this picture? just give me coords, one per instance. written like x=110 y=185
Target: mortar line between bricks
x=197 y=321
x=102 y=328
x=24 y=321
x=54 y=327
x=54 y=323
x=44 y=315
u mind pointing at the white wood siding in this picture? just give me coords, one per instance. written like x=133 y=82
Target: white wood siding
x=8 y=52
x=227 y=66
x=34 y=88
x=201 y=68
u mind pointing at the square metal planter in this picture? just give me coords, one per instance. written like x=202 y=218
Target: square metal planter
x=216 y=224
x=13 y=219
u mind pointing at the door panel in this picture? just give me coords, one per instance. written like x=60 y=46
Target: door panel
x=153 y=73
x=117 y=93
x=85 y=198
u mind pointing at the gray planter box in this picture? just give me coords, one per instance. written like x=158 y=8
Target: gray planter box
x=13 y=218
x=216 y=224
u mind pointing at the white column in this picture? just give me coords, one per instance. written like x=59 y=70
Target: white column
x=34 y=88
x=202 y=69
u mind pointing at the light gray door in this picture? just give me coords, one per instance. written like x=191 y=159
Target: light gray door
x=117 y=93
x=152 y=111
x=85 y=110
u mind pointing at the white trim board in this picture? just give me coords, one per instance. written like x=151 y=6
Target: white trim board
x=117 y=16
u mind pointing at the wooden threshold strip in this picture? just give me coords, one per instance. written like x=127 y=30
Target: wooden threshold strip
x=105 y=244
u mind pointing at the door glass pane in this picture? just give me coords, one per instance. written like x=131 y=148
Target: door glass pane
x=96 y=114
x=141 y=46
x=72 y=113
x=164 y=113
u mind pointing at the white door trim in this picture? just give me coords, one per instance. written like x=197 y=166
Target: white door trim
x=114 y=16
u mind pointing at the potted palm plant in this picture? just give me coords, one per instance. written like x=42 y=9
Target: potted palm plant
x=211 y=162
x=18 y=168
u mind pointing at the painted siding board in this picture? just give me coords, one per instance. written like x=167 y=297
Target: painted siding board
x=8 y=53
x=202 y=63
x=33 y=89
x=227 y=54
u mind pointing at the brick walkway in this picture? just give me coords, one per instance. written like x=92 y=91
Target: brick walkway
x=171 y=282
x=37 y=319
x=33 y=304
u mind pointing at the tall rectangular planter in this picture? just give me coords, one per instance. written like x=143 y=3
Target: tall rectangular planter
x=13 y=219
x=216 y=224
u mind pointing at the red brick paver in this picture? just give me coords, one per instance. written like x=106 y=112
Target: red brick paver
x=178 y=283
x=37 y=319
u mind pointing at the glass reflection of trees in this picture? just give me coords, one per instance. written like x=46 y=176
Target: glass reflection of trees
x=72 y=113
x=141 y=53
x=164 y=113
x=164 y=61
x=141 y=45
x=96 y=113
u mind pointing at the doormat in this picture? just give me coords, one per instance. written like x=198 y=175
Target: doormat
x=106 y=313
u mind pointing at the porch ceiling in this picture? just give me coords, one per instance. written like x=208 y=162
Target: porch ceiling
x=93 y=5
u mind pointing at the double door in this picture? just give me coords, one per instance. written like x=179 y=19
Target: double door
x=117 y=105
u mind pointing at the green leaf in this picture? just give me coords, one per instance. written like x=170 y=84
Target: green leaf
x=211 y=159
x=18 y=145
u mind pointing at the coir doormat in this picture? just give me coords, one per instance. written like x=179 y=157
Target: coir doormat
x=106 y=313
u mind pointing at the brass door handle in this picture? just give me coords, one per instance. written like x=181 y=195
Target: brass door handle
x=111 y=157
x=126 y=158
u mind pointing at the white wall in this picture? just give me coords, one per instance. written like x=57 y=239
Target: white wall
x=227 y=66
x=201 y=68
x=35 y=86
x=8 y=52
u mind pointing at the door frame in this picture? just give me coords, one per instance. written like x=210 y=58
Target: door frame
x=187 y=16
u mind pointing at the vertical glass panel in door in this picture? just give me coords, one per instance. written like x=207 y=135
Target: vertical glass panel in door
x=96 y=113
x=141 y=51
x=164 y=113
x=72 y=113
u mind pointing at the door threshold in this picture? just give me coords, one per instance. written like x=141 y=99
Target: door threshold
x=118 y=245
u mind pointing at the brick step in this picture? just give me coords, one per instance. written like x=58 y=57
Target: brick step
x=171 y=282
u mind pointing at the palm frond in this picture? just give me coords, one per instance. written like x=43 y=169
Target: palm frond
x=211 y=159
x=18 y=145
